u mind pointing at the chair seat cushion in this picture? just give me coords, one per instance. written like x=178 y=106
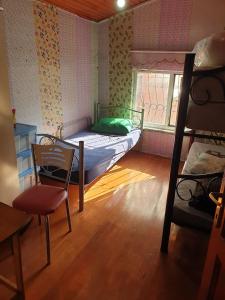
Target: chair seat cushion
x=40 y=199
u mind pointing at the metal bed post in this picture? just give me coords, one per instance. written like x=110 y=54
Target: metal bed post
x=181 y=120
x=95 y=111
x=142 y=118
x=81 y=176
x=141 y=127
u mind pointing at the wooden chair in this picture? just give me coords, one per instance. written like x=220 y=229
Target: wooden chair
x=43 y=199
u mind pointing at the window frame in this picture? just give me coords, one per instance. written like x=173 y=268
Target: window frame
x=154 y=126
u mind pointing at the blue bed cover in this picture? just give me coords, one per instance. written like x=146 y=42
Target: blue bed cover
x=100 y=152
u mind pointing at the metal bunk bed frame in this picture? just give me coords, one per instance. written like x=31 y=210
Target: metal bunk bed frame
x=187 y=88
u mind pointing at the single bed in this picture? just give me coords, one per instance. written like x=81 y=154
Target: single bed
x=95 y=153
x=101 y=152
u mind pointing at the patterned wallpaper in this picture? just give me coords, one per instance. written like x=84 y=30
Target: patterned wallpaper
x=52 y=57
x=84 y=62
x=146 y=22
x=175 y=20
x=23 y=61
x=120 y=70
x=67 y=37
x=147 y=27
x=78 y=66
x=103 y=62
x=47 y=43
x=53 y=66
x=151 y=26
x=156 y=25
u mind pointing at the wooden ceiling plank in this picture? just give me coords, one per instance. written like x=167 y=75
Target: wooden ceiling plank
x=95 y=10
x=87 y=14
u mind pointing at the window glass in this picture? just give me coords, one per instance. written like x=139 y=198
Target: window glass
x=158 y=94
x=176 y=96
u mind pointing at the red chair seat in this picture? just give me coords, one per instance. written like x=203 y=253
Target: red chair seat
x=40 y=199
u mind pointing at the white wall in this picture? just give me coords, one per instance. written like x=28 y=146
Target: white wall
x=161 y=143
x=208 y=17
x=9 y=184
x=23 y=63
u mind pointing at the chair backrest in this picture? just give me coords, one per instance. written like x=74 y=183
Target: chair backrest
x=53 y=158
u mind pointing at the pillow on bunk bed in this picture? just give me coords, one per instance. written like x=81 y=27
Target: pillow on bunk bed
x=208 y=163
x=210 y=51
x=118 y=126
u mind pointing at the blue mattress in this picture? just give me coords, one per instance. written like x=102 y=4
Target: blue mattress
x=101 y=152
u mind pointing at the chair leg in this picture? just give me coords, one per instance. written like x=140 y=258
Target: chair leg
x=47 y=231
x=18 y=267
x=68 y=214
x=39 y=220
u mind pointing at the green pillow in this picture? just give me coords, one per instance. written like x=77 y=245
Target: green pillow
x=113 y=126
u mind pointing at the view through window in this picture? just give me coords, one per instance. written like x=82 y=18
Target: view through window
x=158 y=94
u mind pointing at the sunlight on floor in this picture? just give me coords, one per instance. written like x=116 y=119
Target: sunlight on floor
x=113 y=180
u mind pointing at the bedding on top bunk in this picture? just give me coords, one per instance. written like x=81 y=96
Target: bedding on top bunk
x=183 y=213
x=101 y=152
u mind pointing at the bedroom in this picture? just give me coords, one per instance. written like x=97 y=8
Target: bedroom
x=85 y=71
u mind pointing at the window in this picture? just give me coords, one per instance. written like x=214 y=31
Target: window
x=158 y=94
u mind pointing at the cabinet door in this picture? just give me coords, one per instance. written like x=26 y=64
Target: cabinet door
x=212 y=285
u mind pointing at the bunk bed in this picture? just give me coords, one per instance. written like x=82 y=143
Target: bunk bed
x=201 y=117
x=95 y=153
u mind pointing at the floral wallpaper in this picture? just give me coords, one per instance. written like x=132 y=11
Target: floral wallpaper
x=120 y=69
x=47 y=44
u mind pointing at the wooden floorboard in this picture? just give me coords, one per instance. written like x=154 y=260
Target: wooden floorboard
x=113 y=250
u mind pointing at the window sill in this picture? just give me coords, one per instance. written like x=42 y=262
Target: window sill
x=170 y=130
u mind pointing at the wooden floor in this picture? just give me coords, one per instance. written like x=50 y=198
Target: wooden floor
x=113 y=251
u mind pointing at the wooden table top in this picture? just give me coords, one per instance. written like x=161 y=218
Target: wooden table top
x=11 y=221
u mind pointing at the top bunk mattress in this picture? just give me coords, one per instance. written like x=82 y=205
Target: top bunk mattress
x=101 y=152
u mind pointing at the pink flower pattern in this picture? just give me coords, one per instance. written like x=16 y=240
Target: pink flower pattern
x=120 y=69
x=48 y=52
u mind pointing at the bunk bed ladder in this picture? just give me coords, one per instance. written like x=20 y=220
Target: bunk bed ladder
x=181 y=119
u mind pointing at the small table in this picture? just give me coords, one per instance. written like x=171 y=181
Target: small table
x=12 y=223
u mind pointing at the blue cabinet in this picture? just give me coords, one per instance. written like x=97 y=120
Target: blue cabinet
x=24 y=136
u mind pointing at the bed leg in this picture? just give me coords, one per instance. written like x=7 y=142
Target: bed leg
x=166 y=226
x=81 y=200
x=81 y=176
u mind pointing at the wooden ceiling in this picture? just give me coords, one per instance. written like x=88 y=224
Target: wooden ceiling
x=95 y=10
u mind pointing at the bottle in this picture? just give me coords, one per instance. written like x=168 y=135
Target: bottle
x=14 y=117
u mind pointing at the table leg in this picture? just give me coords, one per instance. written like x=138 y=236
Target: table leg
x=18 y=267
